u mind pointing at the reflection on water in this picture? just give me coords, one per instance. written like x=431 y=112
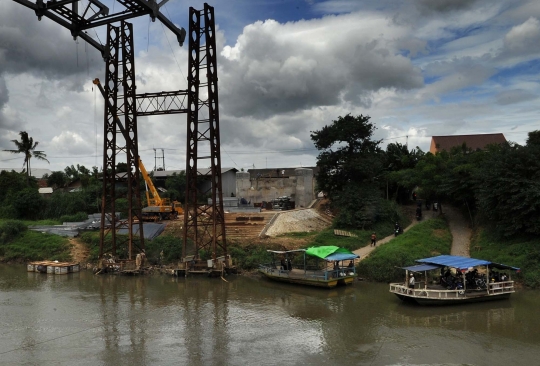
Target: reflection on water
x=48 y=319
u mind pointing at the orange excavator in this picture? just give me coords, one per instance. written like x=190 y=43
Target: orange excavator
x=157 y=208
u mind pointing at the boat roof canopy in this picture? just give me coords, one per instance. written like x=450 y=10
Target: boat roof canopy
x=331 y=253
x=461 y=263
x=422 y=267
x=341 y=257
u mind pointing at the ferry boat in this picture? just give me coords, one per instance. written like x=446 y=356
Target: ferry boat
x=451 y=279
x=324 y=266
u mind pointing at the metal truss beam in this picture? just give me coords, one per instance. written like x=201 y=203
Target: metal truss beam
x=204 y=223
x=66 y=13
x=150 y=104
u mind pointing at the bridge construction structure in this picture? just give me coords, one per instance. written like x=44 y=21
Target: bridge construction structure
x=204 y=224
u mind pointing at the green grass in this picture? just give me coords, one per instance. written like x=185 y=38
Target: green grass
x=32 y=246
x=426 y=239
x=518 y=252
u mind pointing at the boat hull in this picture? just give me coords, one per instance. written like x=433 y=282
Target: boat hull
x=456 y=301
x=435 y=295
x=307 y=281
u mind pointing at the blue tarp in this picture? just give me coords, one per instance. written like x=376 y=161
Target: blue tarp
x=341 y=257
x=461 y=263
x=422 y=267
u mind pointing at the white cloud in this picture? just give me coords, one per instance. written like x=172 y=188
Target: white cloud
x=523 y=39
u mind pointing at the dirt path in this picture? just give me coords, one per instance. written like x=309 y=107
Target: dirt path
x=79 y=252
x=459 y=227
x=461 y=232
x=365 y=251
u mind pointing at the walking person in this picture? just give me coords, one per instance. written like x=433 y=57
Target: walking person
x=373 y=239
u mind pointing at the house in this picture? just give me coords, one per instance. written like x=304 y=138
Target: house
x=474 y=142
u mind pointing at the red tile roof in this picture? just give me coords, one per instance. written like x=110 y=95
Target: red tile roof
x=439 y=143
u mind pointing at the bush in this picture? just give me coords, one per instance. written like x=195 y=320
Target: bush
x=79 y=216
x=11 y=229
x=170 y=245
x=522 y=252
x=28 y=204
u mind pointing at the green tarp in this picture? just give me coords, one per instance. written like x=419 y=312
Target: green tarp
x=325 y=251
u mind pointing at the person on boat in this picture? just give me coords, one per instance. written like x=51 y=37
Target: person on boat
x=336 y=269
x=411 y=281
x=289 y=264
x=373 y=239
x=351 y=264
x=283 y=264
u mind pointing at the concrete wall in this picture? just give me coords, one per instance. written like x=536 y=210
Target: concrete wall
x=228 y=184
x=299 y=187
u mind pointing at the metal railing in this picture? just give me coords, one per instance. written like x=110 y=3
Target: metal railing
x=494 y=288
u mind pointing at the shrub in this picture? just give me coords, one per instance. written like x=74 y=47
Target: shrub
x=79 y=216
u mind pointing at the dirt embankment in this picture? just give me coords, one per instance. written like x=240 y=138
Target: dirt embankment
x=79 y=251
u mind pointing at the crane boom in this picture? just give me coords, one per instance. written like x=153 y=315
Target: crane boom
x=155 y=200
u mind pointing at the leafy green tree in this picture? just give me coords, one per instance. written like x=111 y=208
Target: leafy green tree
x=350 y=168
x=28 y=204
x=57 y=179
x=398 y=158
x=348 y=154
x=176 y=186
x=508 y=191
x=27 y=146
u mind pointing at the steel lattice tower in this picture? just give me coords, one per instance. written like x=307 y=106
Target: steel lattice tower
x=120 y=136
x=204 y=222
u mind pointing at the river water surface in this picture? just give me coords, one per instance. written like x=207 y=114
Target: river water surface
x=83 y=319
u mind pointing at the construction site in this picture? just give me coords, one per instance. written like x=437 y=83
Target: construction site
x=209 y=215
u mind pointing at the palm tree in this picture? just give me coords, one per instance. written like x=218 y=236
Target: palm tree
x=27 y=146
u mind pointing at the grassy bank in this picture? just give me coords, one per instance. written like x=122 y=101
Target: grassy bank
x=426 y=239
x=18 y=244
x=518 y=252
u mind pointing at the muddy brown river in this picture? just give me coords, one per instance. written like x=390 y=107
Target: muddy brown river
x=83 y=319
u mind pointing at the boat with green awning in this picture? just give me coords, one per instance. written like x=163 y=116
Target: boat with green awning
x=322 y=266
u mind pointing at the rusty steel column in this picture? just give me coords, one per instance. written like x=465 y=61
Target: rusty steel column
x=204 y=223
x=108 y=196
x=132 y=143
x=121 y=121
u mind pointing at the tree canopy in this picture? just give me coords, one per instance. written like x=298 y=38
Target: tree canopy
x=27 y=147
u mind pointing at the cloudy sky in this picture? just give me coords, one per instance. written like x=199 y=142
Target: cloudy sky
x=418 y=68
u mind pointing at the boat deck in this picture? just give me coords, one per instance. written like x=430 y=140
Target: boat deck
x=438 y=292
x=321 y=278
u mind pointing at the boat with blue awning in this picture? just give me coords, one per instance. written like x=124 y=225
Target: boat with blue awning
x=323 y=266
x=451 y=279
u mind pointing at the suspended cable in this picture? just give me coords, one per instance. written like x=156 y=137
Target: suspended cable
x=148 y=38
x=174 y=56
x=95 y=125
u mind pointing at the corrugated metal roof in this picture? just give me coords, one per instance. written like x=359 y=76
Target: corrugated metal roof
x=462 y=263
x=422 y=267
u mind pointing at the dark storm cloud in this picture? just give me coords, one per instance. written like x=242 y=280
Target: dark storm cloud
x=274 y=70
x=444 y=6
x=42 y=48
